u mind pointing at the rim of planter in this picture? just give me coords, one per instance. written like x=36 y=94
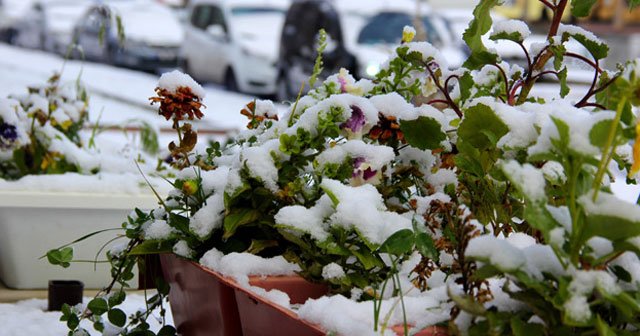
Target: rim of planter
x=235 y=285
x=76 y=200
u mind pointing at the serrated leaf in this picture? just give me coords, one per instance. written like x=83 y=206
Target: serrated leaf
x=98 y=306
x=423 y=133
x=399 y=243
x=582 y=8
x=117 y=317
x=562 y=77
x=479 y=121
x=513 y=36
x=480 y=25
x=597 y=49
x=599 y=134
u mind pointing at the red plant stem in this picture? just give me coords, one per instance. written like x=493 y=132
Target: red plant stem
x=444 y=91
x=558 y=10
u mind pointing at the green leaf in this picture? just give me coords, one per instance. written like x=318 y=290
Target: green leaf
x=117 y=298
x=117 y=317
x=367 y=259
x=481 y=127
x=582 y=8
x=633 y=3
x=62 y=257
x=615 y=226
x=521 y=328
x=167 y=331
x=399 y=243
x=258 y=245
x=603 y=328
x=479 y=26
x=513 y=36
x=562 y=77
x=423 y=133
x=73 y=322
x=599 y=134
x=179 y=222
x=596 y=48
x=467 y=303
x=152 y=247
x=98 y=306
x=426 y=246
x=237 y=218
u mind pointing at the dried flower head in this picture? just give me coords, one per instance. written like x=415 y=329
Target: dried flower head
x=387 y=130
x=179 y=103
x=255 y=117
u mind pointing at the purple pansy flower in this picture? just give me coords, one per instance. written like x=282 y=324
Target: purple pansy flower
x=8 y=135
x=356 y=122
x=362 y=172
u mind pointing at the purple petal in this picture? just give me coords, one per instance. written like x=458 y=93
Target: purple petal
x=356 y=122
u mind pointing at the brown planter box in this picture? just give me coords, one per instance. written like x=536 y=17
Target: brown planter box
x=206 y=303
x=201 y=304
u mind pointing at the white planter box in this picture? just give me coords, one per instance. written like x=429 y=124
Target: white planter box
x=31 y=223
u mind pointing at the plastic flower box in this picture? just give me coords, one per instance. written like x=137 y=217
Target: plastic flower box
x=33 y=222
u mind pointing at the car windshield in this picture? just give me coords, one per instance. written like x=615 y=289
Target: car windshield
x=386 y=28
x=241 y=11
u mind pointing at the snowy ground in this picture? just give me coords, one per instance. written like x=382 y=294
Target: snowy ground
x=30 y=318
x=118 y=95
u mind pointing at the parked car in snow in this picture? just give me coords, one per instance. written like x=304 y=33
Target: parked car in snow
x=384 y=31
x=10 y=13
x=48 y=25
x=148 y=38
x=234 y=42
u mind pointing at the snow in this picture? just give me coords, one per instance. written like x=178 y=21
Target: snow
x=172 y=81
x=241 y=265
x=609 y=205
x=332 y=271
x=310 y=220
x=497 y=252
x=149 y=23
x=158 y=230
x=29 y=317
x=528 y=179
x=510 y=27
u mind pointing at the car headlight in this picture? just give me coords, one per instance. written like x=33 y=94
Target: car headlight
x=372 y=69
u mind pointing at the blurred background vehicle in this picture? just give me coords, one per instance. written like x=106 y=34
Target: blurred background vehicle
x=234 y=42
x=148 y=39
x=48 y=25
x=298 y=44
x=383 y=32
x=11 y=11
x=361 y=37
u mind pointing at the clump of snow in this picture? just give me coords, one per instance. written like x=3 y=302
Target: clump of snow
x=310 y=220
x=527 y=178
x=609 y=205
x=182 y=249
x=497 y=252
x=209 y=217
x=573 y=30
x=261 y=164
x=362 y=208
x=158 y=230
x=172 y=81
x=239 y=265
x=510 y=27
x=577 y=308
x=332 y=271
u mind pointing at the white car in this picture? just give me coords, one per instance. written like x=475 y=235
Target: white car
x=234 y=42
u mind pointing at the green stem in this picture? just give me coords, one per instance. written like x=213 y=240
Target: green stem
x=574 y=170
x=609 y=148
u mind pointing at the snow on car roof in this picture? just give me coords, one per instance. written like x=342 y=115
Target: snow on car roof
x=260 y=3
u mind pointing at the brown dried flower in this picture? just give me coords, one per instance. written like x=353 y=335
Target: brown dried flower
x=179 y=104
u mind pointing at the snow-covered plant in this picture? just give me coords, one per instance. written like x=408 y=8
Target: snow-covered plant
x=40 y=130
x=466 y=190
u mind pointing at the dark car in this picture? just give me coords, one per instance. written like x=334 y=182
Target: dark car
x=298 y=45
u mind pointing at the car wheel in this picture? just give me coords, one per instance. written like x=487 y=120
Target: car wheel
x=230 y=82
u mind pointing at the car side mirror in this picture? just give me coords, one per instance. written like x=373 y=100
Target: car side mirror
x=217 y=31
